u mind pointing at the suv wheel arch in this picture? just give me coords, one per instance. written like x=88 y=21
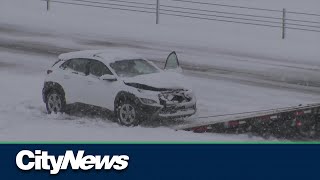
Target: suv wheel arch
x=122 y=96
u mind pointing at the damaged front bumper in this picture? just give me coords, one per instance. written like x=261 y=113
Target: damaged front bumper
x=172 y=104
x=181 y=110
x=168 y=112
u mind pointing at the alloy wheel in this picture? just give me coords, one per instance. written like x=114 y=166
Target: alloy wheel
x=54 y=103
x=127 y=114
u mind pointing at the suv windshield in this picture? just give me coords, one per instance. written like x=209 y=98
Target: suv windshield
x=134 y=67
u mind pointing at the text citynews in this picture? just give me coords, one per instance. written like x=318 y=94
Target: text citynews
x=41 y=160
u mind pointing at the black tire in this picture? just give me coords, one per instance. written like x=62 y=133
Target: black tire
x=55 y=102
x=127 y=112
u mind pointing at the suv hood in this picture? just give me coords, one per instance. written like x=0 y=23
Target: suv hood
x=160 y=81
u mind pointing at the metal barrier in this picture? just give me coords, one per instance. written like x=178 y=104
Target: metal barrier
x=210 y=11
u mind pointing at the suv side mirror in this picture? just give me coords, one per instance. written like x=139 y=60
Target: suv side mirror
x=108 y=77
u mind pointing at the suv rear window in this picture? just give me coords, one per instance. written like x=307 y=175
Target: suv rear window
x=79 y=65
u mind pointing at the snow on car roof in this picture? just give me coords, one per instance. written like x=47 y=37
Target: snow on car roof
x=106 y=56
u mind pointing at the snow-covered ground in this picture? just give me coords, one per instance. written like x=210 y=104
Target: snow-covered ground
x=23 y=115
x=233 y=68
x=241 y=49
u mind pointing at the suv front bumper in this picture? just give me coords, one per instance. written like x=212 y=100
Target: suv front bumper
x=179 y=110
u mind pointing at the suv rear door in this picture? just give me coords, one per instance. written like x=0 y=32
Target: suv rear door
x=74 y=81
x=102 y=92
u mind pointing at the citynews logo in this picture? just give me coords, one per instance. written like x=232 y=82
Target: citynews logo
x=40 y=160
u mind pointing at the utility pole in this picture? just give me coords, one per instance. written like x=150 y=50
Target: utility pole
x=157 y=11
x=48 y=5
x=283 y=23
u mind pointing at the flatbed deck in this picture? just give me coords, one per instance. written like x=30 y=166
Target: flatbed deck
x=302 y=119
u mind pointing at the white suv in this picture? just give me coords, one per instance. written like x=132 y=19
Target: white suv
x=129 y=86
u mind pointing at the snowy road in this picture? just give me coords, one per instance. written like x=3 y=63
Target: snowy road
x=201 y=61
x=24 y=61
x=23 y=114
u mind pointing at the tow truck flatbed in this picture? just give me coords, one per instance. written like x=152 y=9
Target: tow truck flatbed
x=302 y=119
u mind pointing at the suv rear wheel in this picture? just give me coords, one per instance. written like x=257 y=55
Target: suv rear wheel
x=55 y=102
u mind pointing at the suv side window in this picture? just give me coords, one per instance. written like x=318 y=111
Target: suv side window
x=78 y=65
x=64 y=65
x=98 y=69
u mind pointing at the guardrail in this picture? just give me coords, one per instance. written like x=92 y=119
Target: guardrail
x=273 y=18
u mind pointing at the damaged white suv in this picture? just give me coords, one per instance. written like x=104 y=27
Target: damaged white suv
x=129 y=86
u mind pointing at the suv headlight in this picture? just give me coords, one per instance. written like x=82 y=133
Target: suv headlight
x=148 y=101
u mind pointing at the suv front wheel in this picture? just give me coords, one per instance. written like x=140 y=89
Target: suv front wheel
x=127 y=113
